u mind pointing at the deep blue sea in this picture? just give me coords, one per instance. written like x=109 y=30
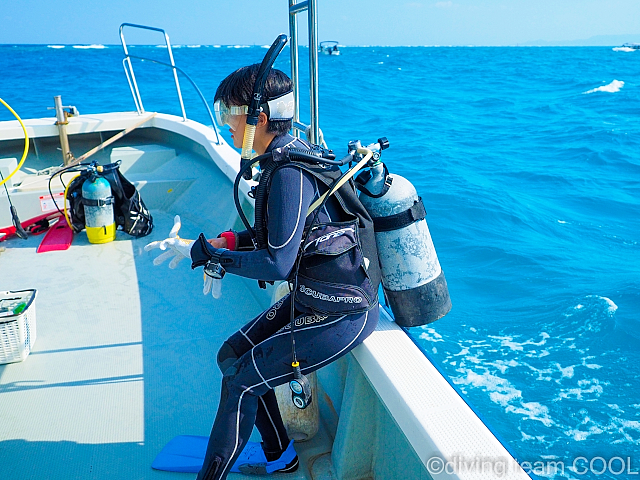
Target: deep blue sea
x=528 y=161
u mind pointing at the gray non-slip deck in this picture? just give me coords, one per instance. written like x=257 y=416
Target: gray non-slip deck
x=125 y=357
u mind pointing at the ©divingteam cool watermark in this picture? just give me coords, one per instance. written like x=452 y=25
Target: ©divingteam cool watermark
x=501 y=467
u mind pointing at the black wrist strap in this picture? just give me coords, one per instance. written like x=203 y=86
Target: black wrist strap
x=202 y=252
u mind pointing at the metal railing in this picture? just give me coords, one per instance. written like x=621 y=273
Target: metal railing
x=133 y=85
x=311 y=7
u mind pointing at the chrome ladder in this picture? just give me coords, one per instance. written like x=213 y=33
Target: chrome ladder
x=311 y=7
x=133 y=85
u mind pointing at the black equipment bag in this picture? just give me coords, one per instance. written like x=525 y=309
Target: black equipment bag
x=130 y=212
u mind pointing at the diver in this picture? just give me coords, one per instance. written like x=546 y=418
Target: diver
x=329 y=256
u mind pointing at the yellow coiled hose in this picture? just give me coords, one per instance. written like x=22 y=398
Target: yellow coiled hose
x=26 y=143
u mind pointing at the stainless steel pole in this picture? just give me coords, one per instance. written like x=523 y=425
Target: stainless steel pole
x=293 y=49
x=67 y=156
x=313 y=69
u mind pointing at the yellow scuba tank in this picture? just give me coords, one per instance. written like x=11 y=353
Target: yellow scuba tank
x=98 y=209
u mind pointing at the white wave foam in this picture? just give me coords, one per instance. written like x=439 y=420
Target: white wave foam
x=623 y=49
x=567 y=372
x=510 y=343
x=612 y=306
x=85 y=47
x=430 y=335
x=613 y=87
x=615 y=407
x=55 y=46
x=618 y=430
x=594 y=388
x=533 y=411
x=194 y=46
x=590 y=366
x=500 y=390
x=582 y=435
x=525 y=437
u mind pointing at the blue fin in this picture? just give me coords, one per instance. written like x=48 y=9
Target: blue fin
x=185 y=453
x=255 y=467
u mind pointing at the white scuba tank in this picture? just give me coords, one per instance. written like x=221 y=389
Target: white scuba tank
x=413 y=281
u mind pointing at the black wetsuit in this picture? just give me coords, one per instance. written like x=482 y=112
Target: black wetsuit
x=257 y=358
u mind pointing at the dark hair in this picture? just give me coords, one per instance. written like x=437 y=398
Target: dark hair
x=237 y=89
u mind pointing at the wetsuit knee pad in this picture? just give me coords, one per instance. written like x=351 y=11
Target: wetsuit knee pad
x=226 y=357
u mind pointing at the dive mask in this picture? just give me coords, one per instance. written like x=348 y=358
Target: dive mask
x=279 y=108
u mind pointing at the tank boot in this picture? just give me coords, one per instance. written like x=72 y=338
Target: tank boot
x=274 y=462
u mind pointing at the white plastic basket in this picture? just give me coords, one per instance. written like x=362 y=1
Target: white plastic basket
x=17 y=325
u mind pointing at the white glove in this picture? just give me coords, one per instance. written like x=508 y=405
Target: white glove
x=176 y=247
x=213 y=285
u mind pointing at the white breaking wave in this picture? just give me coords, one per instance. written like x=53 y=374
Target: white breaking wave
x=613 y=87
x=55 y=46
x=612 y=307
x=623 y=49
x=96 y=46
x=194 y=46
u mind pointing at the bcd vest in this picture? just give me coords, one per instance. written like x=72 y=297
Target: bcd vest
x=339 y=271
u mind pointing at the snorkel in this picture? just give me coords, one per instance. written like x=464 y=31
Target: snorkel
x=256 y=100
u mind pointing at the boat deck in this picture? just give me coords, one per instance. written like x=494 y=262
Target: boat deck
x=125 y=357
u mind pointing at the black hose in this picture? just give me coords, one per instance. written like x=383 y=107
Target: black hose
x=236 y=198
x=315 y=157
x=260 y=204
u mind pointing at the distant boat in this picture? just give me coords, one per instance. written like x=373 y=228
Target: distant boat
x=627 y=47
x=329 y=47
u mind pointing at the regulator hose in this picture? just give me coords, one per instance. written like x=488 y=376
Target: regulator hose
x=236 y=198
x=260 y=204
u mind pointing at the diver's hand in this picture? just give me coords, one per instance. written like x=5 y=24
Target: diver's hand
x=218 y=242
x=174 y=246
x=213 y=285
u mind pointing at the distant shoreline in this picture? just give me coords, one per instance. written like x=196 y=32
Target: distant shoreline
x=108 y=46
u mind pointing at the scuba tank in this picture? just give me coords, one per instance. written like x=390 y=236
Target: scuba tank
x=413 y=281
x=98 y=209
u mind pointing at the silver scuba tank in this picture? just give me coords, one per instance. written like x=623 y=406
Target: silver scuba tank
x=413 y=281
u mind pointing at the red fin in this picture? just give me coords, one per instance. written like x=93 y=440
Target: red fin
x=59 y=237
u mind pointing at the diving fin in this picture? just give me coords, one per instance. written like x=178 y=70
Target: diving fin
x=58 y=237
x=185 y=453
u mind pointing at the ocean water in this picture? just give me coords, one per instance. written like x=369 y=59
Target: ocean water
x=528 y=161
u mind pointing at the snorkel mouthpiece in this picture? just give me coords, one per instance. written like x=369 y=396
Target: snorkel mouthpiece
x=256 y=99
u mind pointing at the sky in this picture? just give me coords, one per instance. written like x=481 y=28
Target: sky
x=351 y=22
